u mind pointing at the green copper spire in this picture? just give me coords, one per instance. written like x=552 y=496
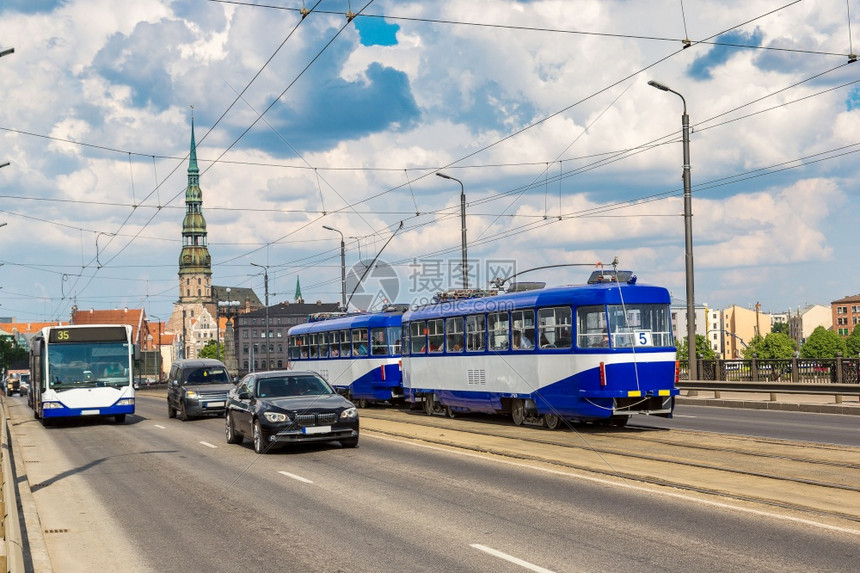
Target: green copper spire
x=194 y=260
x=192 y=161
x=298 y=291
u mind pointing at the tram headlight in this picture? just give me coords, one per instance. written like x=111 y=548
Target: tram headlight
x=349 y=414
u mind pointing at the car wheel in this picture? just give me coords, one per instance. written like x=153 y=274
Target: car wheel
x=171 y=411
x=259 y=439
x=183 y=414
x=230 y=431
x=350 y=443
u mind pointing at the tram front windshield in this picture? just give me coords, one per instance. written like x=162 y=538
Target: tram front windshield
x=640 y=325
x=88 y=365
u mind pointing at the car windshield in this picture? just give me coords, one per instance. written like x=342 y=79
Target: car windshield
x=283 y=386
x=208 y=375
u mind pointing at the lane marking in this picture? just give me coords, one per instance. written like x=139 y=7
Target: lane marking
x=626 y=485
x=159 y=426
x=208 y=445
x=511 y=558
x=295 y=477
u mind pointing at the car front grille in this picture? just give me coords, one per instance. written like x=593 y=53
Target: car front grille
x=212 y=394
x=324 y=419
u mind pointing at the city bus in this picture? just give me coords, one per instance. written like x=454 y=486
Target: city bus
x=81 y=371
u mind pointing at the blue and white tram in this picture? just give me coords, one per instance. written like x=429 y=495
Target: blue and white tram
x=596 y=352
x=359 y=355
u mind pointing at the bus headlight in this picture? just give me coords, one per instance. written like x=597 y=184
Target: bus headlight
x=126 y=402
x=51 y=405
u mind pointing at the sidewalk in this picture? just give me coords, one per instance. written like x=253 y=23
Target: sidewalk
x=816 y=403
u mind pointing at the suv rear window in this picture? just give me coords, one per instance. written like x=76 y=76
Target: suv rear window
x=210 y=375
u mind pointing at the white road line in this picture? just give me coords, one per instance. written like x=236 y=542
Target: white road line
x=159 y=426
x=208 y=445
x=683 y=416
x=626 y=485
x=295 y=477
x=511 y=558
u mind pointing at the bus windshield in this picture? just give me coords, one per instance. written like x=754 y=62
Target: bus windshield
x=88 y=365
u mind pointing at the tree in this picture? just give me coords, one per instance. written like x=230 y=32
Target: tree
x=823 y=343
x=780 y=328
x=774 y=345
x=853 y=342
x=211 y=350
x=703 y=349
x=11 y=353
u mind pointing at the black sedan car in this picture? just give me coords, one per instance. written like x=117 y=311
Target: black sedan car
x=284 y=406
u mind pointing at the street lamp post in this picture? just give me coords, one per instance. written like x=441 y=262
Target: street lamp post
x=266 y=290
x=688 y=234
x=342 y=266
x=462 y=224
x=158 y=357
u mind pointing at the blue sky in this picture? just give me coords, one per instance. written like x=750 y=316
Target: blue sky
x=542 y=109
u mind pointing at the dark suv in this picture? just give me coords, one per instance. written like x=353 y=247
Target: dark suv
x=197 y=387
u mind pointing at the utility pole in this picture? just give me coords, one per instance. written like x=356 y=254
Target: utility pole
x=266 y=290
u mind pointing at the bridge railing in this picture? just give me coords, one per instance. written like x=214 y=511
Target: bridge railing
x=837 y=370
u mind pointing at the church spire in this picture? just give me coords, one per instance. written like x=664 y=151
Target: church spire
x=195 y=264
x=299 y=291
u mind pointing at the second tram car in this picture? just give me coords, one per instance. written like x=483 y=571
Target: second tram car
x=359 y=355
x=597 y=353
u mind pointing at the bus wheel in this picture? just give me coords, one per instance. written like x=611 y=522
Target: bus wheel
x=518 y=412
x=119 y=418
x=551 y=421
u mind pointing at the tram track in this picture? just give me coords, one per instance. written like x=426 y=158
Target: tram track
x=752 y=470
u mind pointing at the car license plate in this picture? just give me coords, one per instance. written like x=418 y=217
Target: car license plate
x=90 y=412
x=215 y=404
x=317 y=430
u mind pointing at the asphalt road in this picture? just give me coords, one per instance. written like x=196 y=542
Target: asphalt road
x=156 y=494
x=778 y=424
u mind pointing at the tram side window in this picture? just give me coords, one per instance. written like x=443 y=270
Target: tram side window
x=393 y=340
x=591 y=327
x=554 y=327
x=334 y=342
x=435 y=334
x=417 y=337
x=313 y=344
x=523 y=329
x=497 y=328
x=475 y=327
x=323 y=344
x=454 y=334
x=378 y=346
x=344 y=344
x=294 y=348
x=404 y=338
x=303 y=345
x=359 y=342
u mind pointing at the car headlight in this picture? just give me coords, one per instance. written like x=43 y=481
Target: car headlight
x=349 y=414
x=276 y=417
x=191 y=394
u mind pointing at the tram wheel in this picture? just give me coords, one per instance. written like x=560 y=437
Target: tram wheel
x=619 y=421
x=361 y=402
x=449 y=412
x=551 y=421
x=429 y=399
x=518 y=412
